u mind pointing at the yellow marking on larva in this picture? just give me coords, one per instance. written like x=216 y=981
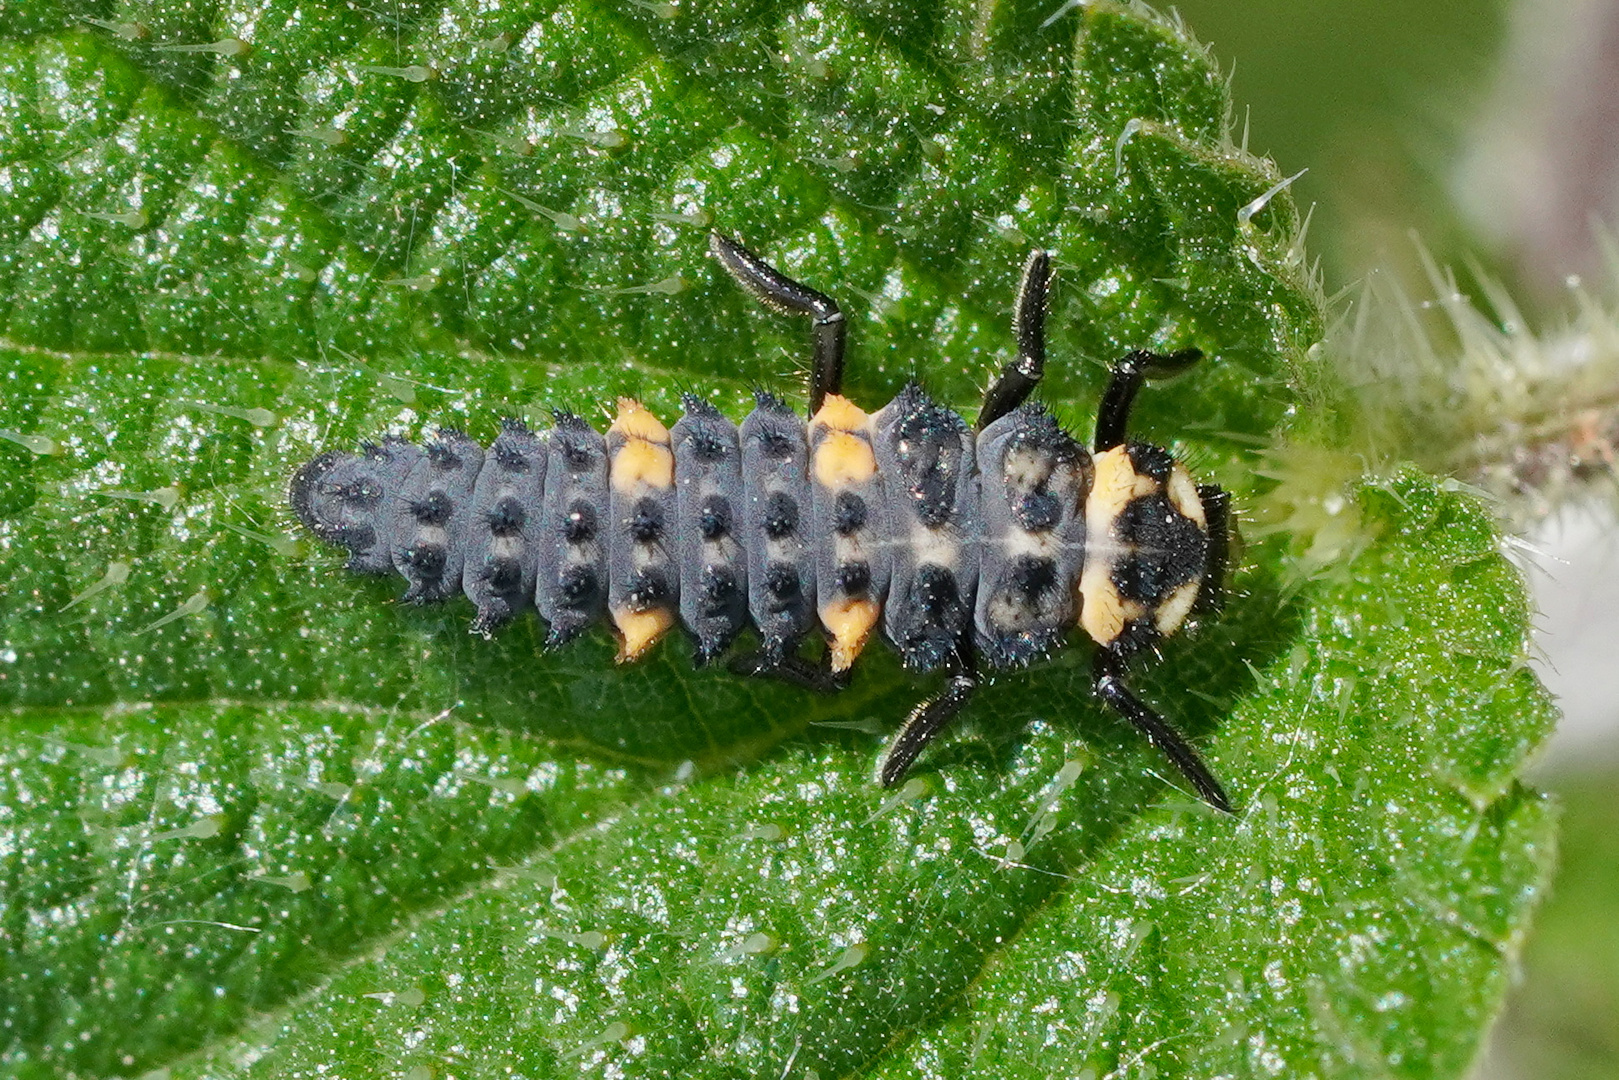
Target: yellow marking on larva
x=636 y=421
x=842 y=459
x=638 y=630
x=850 y=623
x=639 y=464
x=1102 y=611
x=1173 y=611
x=644 y=460
x=1117 y=482
x=1182 y=495
x=840 y=414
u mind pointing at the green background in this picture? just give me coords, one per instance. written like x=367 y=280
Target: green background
x=298 y=824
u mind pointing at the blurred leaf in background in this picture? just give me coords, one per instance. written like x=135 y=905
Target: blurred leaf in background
x=1488 y=130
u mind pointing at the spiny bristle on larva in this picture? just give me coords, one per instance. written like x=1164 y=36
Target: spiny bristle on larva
x=699 y=406
x=768 y=402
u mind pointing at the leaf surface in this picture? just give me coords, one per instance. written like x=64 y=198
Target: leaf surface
x=258 y=819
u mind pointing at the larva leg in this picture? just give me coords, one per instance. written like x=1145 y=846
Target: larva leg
x=779 y=292
x=1019 y=378
x=930 y=718
x=1120 y=396
x=806 y=674
x=1111 y=689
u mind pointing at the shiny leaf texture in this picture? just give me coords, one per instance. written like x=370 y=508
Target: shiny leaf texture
x=255 y=818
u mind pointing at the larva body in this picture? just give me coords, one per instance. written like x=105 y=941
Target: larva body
x=960 y=544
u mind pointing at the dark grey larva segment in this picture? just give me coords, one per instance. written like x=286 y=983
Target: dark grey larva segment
x=641 y=570
x=1033 y=480
x=571 y=579
x=849 y=535
x=504 y=528
x=925 y=455
x=776 y=525
x=708 y=524
x=430 y=517
x=347 y=500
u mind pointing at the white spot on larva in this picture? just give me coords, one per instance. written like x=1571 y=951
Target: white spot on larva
x=935 y=547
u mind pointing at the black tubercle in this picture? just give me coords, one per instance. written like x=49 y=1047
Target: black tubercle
x=1164 y=550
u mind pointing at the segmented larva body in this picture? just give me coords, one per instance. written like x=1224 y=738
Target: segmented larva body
x=966 y=545
x=902 y=518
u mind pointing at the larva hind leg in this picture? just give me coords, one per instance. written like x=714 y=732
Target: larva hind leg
x=817 y=676
x=1172 y=744
x=1019 y=378
x=779 y=292
x=930 y=718
x=1133 y=369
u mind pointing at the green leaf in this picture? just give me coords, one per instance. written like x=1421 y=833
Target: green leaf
x=258 y=819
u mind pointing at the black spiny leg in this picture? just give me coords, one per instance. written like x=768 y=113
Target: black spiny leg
x=930 y=718
x=1216 y=563
x=1128 y=374
x=1111 y=689
x=781 y=293
x=791 y=669
x=1019 y=378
